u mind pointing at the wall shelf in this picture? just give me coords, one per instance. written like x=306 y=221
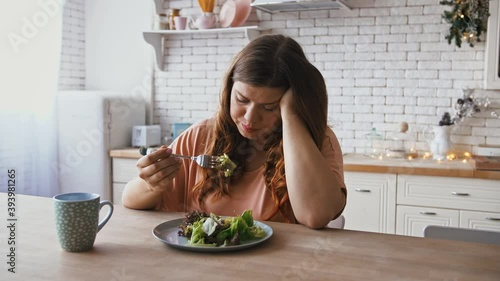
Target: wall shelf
x=156 y=37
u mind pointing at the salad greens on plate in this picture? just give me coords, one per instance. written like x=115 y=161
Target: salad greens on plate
x=204 y=229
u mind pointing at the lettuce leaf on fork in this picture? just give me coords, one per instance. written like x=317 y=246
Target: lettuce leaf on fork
x=226 y=165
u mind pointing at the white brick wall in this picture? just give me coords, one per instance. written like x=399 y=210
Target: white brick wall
x=382 y=65
x=72 y=70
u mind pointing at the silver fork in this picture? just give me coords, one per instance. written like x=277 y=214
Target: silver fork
x=205 y=161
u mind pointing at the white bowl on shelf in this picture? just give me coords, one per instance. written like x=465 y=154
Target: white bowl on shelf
x=234 y=13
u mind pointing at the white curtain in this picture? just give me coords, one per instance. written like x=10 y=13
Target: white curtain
x=30 y=52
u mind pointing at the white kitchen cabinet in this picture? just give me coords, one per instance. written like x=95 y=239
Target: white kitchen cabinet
x=124 y=170
x=412 y=220
x=118 y=188
x=480 y=220
x=459 y=202
x=448 y=192
x=371 y=202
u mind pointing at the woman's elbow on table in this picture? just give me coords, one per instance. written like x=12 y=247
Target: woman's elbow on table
x=314 y=221
x=320 y=218
x=137 y=196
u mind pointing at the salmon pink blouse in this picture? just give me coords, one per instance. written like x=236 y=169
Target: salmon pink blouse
x=247 y=192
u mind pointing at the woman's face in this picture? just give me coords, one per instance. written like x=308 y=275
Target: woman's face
x=255 y=110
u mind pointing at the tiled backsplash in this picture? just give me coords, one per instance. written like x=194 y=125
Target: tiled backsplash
x=383 y=65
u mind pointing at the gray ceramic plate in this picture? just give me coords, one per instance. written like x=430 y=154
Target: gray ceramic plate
x=167 y=233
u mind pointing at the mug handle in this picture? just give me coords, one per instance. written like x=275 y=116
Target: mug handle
x=191 y=23
x=108 y=215
x=216 y=21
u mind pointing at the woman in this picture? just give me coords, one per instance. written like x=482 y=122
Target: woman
x=272 y=122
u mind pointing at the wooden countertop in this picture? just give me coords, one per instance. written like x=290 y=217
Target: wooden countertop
x=361 y=163
x=130 y=152
x=125 y=249
x=424 y=167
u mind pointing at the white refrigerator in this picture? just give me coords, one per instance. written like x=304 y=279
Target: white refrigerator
x=90 y=124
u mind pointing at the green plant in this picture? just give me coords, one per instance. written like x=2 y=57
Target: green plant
x=446 y=120
x=468 y=20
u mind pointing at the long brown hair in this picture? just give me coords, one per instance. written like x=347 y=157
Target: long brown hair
x=267 y=61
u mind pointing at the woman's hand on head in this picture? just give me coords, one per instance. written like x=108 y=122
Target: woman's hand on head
x=286 y=103
x=158 y=169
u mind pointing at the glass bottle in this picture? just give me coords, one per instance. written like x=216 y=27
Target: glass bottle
x=173 y=13
x=396 y=147
x=163 y=22
x=374 y=144
x=168 y=139
x=402 y=143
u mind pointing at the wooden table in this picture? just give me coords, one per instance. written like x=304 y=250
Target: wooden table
x=125 y=250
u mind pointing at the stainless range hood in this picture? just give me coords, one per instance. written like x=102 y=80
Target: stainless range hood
x=276 y=6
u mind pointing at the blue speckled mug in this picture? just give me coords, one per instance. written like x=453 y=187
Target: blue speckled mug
x=77 y=219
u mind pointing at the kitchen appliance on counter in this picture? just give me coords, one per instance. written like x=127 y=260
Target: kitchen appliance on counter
x=146 y=135
x=90 y=123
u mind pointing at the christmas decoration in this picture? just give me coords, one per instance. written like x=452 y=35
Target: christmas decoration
x=465 y=107
x=468 y=20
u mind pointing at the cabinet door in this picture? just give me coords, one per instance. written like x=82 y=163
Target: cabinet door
x=480 y=220
x=124 y=169
x=411 y=220
x=447 y=192
x=118 y=192
x=371 y=202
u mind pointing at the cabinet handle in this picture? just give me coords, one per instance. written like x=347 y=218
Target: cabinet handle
x=460 y=193
x=362 y=190
x=427 y=213
x=493 y=219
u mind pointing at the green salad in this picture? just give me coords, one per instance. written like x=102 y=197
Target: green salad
x=204 y=229
x=226 y=165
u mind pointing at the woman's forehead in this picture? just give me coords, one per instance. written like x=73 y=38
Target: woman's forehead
x=261 y=94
